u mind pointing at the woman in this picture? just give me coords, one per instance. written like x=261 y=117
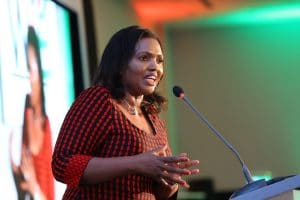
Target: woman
x=33 y=176
x=112 y=144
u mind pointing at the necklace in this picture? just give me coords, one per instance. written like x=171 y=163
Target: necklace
x=131 y=109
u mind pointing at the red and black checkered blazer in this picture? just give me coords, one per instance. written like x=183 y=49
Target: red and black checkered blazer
x=94 y=127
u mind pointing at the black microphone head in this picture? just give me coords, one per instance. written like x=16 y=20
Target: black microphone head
x=178 y=91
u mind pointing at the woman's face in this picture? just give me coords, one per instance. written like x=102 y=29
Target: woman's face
x=145 y=69
x=34 y=76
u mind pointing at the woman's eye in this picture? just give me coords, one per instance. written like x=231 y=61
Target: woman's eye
x=160 y=60
x=143 y=58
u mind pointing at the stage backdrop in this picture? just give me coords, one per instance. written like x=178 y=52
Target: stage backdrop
x=242 y=70
x=60 y=61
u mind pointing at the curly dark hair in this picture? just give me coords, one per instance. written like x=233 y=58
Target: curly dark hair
x=116 y=56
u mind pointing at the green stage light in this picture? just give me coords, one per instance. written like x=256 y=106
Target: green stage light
x=251 y=15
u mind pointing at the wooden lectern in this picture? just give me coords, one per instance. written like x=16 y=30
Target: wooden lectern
x=281 y=190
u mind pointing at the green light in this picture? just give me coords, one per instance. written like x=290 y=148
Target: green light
x=67 y=47
x=264 y=14
x=267 y=175
x=282 y=14
x=254 y=15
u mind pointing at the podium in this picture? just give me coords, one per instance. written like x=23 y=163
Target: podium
x=290 y=195
x=281 y=190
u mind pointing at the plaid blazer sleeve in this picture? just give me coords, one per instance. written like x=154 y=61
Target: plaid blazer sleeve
x=85 y=126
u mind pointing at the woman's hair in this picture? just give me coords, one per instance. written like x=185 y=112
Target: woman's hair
x=116 y=56
x=32 y=40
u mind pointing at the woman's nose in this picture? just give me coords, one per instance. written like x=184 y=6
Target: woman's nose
x=154 y=65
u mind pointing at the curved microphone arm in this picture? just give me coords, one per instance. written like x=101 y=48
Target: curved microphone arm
x=178 y=92
x=246 y=171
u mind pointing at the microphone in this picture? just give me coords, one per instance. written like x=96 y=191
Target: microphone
x=251 y=184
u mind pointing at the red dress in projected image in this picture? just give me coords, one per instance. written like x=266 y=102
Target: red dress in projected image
x=33 y=176
x=42 y=164
x=94 y=127
x=41 y=158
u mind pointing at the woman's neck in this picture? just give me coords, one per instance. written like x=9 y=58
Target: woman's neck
x=134 y=100
x=133 y=103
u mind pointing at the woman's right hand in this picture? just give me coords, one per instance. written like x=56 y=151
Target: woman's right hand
x=162 y=168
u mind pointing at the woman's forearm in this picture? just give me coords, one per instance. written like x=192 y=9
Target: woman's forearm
x=103 y=169
x=159 y=168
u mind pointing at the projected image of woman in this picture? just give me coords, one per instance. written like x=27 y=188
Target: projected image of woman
x=33 y=177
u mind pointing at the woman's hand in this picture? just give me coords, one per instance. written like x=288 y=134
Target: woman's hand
x=164 y=169
x=183 y=165
x=167 y=189
x=186 y=165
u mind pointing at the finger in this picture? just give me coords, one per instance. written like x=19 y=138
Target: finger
x=172 y=179
x=176 y=180
x=173 y=186
x=186 y=185
x=163 y=181
x=176 y=170
x=174 y=159
x=188 y=164
x=183 y=154
x=170 y=185
x=169 y=178
x=194 y=171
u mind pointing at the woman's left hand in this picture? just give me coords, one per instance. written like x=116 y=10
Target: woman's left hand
x=188 y=164
x=184 y=165
x=170 y=188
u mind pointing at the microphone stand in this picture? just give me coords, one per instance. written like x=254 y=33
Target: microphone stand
x=251 y=184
